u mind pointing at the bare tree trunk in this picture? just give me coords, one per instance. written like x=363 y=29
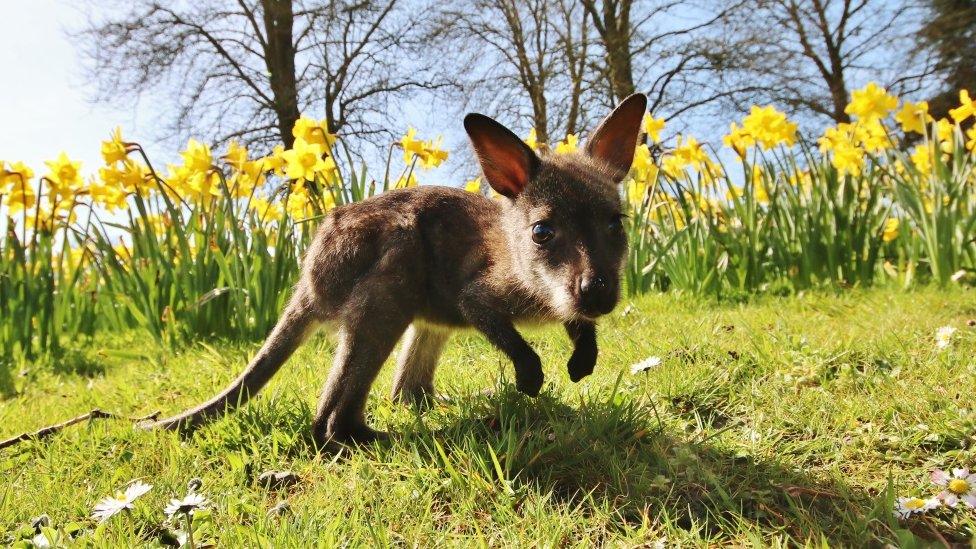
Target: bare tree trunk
x=612 y=23
x=280 y=60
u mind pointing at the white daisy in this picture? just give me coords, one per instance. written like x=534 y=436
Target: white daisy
x=648 y=363
x=906 y=507
x=187 y=505
x=959 y=486
x=113 y=505
x=943 y=337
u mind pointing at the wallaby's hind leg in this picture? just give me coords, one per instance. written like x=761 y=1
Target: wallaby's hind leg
x=368 y=333
x=413 y=382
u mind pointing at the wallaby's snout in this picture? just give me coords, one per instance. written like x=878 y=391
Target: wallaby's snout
x=597 y=294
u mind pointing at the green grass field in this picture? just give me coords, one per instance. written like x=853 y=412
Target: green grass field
x=779 y=422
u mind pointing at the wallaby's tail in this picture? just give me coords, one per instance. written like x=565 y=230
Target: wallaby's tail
x=293 y=327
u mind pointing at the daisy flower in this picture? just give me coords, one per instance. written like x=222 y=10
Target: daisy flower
x=648 y=363
x=960 y=485
x=113 y=505
x=906 y=507
x=187 y=505
x=943 y=337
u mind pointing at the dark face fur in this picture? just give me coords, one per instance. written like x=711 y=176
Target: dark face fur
x=567 y=238
x=563 y=216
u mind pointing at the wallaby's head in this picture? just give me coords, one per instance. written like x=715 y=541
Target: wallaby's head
x=563 y=213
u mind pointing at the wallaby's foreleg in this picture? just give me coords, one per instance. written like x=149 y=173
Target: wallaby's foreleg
x=413 y=382
x=369 y=331
x=502 y=334
x=583 y=359
x=299 y=319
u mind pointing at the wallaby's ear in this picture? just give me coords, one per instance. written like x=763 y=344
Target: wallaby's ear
x=507 y=162
x=614 y=140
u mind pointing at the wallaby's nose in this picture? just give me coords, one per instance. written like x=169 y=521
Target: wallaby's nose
x=592 y=284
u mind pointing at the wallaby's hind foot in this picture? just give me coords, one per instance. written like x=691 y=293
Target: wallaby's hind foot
x=370 y=327
x=350 y=437
x=413 y=383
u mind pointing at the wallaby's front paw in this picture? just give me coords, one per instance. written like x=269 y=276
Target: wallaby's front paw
x=581 y=363
x=529 y=376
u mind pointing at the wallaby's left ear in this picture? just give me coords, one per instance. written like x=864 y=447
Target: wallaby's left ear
x=614 y=140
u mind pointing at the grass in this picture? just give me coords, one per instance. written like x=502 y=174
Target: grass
x=773 y=423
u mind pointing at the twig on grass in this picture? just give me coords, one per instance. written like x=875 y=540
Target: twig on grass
x=52 y=429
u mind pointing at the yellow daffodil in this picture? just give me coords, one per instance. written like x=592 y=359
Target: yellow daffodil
x=690 y=153
x=107 y=195
x=20 y=197
x=306 y=160
x=843 y=142
x=944 y=131
x=965 y=109
x=636 y=191
x=275 y=162
x=114 y=149
x=15 y=175
x=873 y=136
x=250 y=176
x=135 y=177
x=473 y=186
x=411 y=145
x=428 y=153
x=236 y=155
x=769 y=127
x=848 y=159
x=971 y=143
x=176 y=180
x=871 y=102
x=643 y=166
x=434 y=155
x=568 y=145
x=890 y=231
x=533 y=140
x=314 y=132
x=65 y=175
x=653 y=127
x=738 y=139
x=922 y=158
x=110 y=176
x=914 y=117
x=197 y=157
x=266 y=210
x=202 y=187
x=673 y=166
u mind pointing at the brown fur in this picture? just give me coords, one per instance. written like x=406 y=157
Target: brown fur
x=429 y=259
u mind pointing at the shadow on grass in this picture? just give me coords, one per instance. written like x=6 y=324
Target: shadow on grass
x=610 y=451
x=606 y=452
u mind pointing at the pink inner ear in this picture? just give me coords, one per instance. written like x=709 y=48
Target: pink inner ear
x=506 y=170
x=615 y=140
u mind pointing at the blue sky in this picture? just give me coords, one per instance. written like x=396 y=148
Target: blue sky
x=45 y=106
x=43 y=101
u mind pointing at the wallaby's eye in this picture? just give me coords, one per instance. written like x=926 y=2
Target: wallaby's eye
x=542 y=233
x=616 y=222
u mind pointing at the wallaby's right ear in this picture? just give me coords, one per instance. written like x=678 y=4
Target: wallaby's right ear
x=507 y=162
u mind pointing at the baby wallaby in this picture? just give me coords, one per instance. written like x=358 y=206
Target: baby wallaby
x=428 y=260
